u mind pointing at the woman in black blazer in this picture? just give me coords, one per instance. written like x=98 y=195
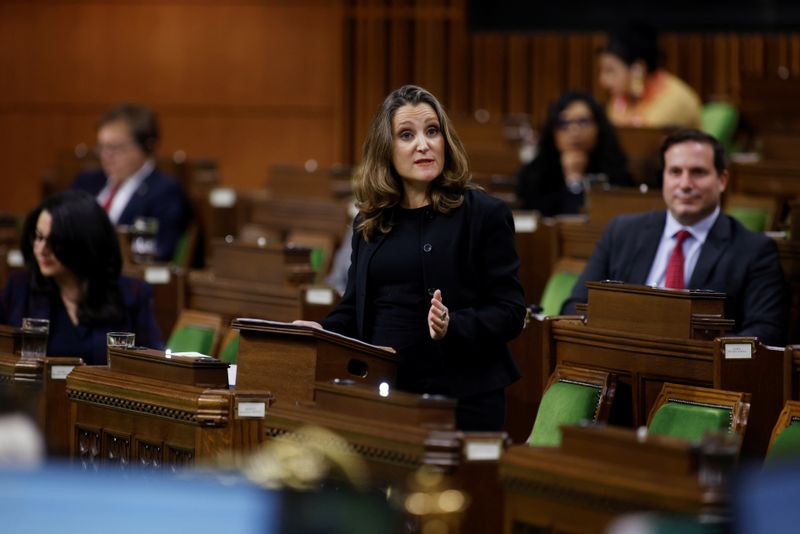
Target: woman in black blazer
x=433 y=271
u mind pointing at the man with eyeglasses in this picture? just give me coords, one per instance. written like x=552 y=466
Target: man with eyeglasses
x=129 y=185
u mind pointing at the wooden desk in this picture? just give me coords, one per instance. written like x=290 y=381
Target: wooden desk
x=285 y=214
x=780 y=179
x=536 y=243
x=651 y=336
x=602 y=204
x=789 y=251
x=288 y=359
x=259 y=281
x=398 y=434
x=44 y=381
x=577 y=236
x=156 y=412
x=597 y=474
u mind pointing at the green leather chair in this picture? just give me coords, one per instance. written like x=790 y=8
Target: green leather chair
x=191 y=338
x=754 y=219
x=229 y=353
x=556 y=291
x=573 y=395
x=720 y=119
x=195 y=332
x=690 y=412
x=785 y=441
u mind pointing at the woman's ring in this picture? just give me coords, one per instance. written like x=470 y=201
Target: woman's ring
x=444 y=315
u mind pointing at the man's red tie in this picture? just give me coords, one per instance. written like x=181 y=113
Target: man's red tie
x=674 y=276
x=110 y=197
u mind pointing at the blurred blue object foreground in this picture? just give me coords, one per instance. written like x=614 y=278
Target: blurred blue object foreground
x=65 y=500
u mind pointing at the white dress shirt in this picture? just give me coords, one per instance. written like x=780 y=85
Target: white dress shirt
x=691 y=247
x=125 y=192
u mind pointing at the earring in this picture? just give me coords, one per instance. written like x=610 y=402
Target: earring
x=637 y=82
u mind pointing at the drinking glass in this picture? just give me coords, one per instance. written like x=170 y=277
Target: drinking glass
x=120 y=339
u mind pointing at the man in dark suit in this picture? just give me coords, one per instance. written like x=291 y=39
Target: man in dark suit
x=711 y=250
x=129 y=186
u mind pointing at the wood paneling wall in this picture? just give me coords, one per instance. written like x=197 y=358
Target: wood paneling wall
x=249 y=83
x=427 y=42
x=256 y=82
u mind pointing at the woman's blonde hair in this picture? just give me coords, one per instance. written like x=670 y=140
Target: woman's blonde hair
x=377 y=186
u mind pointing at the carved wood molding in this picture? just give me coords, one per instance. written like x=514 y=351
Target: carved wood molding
x=213 y=409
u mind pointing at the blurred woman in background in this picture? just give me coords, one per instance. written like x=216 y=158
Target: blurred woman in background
x=578 y=146
x=641 y=92
x=73 y=279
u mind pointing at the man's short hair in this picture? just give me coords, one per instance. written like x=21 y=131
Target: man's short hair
x=689 y=134
x=140 y=119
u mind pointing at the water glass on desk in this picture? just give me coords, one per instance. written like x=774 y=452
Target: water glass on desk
x=120 y=340
x=34 y=337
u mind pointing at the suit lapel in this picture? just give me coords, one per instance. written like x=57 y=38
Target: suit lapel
x=137 y=201
x=716 y=242
x=646 y=248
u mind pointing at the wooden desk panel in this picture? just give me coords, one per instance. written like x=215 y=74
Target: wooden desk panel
x=45 y=382
x=234 y=298
x=570 y=489
x=122 y=419
x=288 y=359
x=394 y=451
x=644 y=358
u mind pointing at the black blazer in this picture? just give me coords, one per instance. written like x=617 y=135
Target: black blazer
x=468 y=254
x=733 y=260
x=159 y=196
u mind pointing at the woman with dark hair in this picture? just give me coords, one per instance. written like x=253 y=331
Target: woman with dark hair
x=577 y=144
x=433 y=271
x=73 y=279
x=641 y=92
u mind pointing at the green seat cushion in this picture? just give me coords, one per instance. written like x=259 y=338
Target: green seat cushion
x=787 y=444
x=230 y=352
x=754 y=219
x=191 y=338
x=181 y=250
x=558 y=288
x=720 y=120
x=564 y=403
x=689 y=421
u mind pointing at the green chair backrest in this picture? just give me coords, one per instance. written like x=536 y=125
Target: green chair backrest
x=786 y=445
x=564 y=403
x=191 y=338
x=754 y=219
x=720 y=120
x=689 y=421
x=181 y=249
x=230 y=352
x=558 y=288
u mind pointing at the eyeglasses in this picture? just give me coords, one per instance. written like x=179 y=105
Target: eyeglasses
x=39 y=238
x=580 y=122
x=111 y=148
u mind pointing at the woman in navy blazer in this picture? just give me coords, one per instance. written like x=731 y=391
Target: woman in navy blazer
x=433 y=271
x=73 y=279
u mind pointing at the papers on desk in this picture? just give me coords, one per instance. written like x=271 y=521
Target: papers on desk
x=191 y=354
